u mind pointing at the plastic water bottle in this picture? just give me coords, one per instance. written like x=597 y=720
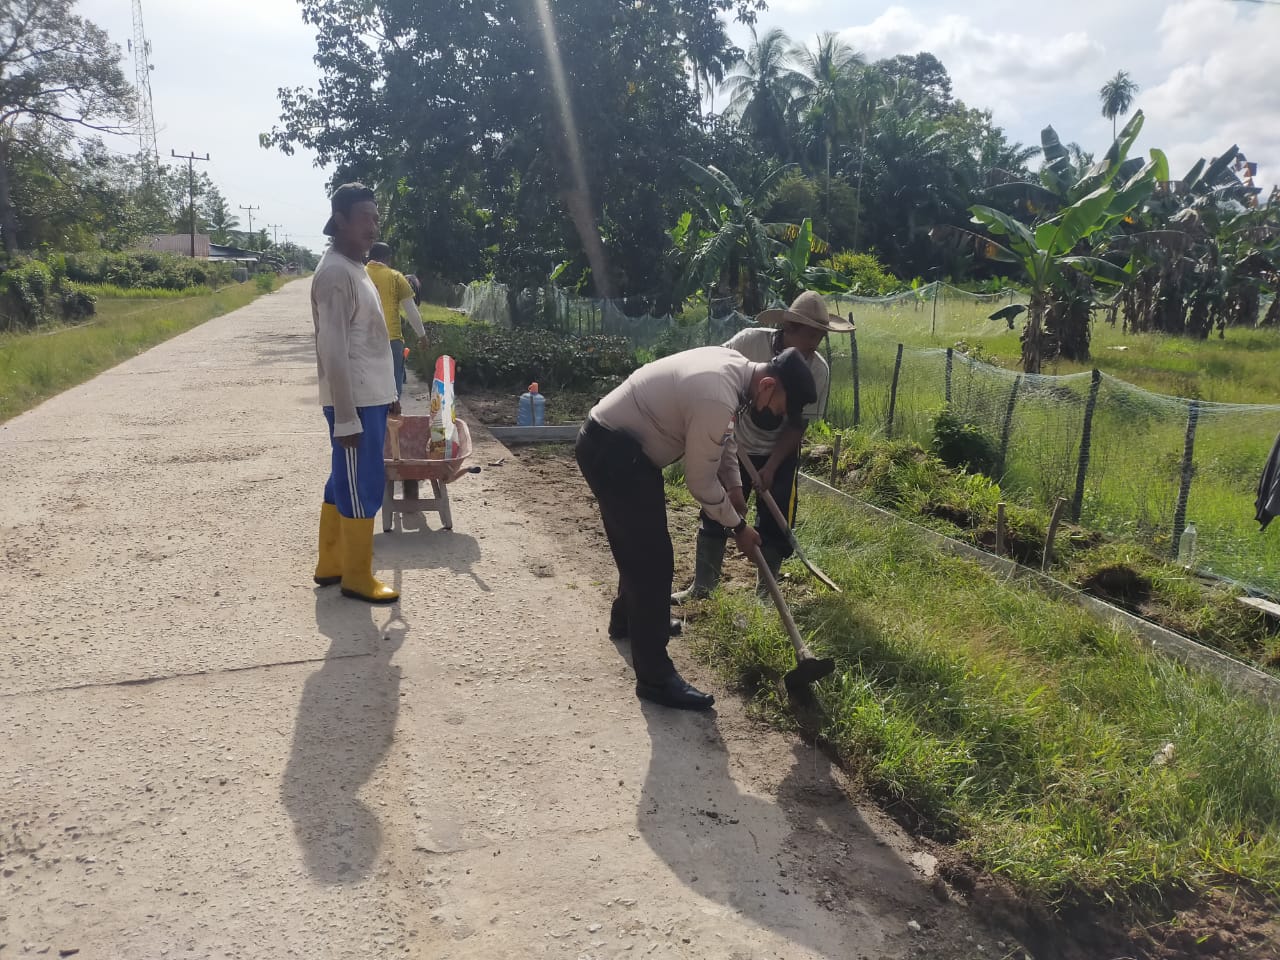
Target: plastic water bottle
x=532 y=408
x=1187 y=546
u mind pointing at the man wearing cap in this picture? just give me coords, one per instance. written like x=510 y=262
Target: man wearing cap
x=398 y=298
x=357 y=388
x=774 y=451
x=685 y=405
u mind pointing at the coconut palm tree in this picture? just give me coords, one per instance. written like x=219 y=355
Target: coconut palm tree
x=867 y=93
x=824 y=87
x=1117 y=97
x=761 y=87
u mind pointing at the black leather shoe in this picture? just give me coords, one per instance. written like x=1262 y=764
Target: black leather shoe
x=675 y=692
x=621 y=633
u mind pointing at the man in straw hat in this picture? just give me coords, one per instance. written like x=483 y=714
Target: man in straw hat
x=774 y=450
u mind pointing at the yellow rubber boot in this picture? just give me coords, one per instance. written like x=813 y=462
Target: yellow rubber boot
x=358 y=580
x=329 y=569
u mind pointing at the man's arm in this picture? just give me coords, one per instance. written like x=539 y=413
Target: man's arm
x=705 y=463
x=334 y=305
x=410 y=311
x=788 y=443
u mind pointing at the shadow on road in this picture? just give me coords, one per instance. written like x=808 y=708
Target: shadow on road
x=752 y=855
x=418 y=547
x=345 y=724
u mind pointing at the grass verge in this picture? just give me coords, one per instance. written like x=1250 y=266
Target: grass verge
x=901 y=476
x=39 y=364
x=1053 y=750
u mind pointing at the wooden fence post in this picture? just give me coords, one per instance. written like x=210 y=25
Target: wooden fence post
x=1007 y=428
x=893 y=394
x=857 y=395
x=1000 y=524
x=950 y=359
x=1086 y=440
x=1055 y=518
x=826 y=403
x=835 y=459
x=1188 y=471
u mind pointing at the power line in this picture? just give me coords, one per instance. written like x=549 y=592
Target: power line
x=275 y=232
x=191 y=158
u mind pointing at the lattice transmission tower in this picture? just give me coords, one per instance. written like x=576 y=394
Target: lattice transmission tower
x=148 y=149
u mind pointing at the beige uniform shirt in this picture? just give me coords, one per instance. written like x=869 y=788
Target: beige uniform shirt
x=353 y=361
x=756 y=343
x=684 y=405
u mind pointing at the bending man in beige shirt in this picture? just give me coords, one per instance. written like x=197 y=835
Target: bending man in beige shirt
x=682 y=406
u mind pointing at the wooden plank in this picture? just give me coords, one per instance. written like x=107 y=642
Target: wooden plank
x=560 y=433
x=1266 y=606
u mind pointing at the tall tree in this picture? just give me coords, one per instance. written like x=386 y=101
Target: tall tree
x=514 y=134
x=218 y=216
x=823 y=88
x=761 y=89
x=865 y=98
x=57 y=70
x=1117 y=97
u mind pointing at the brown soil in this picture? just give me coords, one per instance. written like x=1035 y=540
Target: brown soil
x=1120 y=584
x=1221 y=924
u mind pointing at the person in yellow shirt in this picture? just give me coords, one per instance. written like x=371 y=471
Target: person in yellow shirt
x=397 y=298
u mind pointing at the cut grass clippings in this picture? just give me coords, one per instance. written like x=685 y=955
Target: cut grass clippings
x=1052 y=749
x=39 y=364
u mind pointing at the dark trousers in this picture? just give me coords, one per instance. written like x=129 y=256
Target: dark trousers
x=786 y=493
x=633 y=506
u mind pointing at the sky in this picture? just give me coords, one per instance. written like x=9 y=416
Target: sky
x=1204 y=68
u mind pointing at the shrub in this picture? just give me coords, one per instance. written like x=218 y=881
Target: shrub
x=76 y=304
x=512 y=359
x=27 y=288
x=867 y=276
x=145 y=270
x=962 y=445
x=265 y=282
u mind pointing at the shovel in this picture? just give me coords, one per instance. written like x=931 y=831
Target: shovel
x=767 y=498
x=808 y=669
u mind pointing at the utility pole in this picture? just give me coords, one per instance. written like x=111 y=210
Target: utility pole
x=191 y=158
x=275 y=232
x=250 y=210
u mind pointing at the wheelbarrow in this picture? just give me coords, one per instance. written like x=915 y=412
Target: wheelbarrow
x=406 y=458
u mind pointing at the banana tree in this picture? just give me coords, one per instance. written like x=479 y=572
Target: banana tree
x=792 y=273
x=1062 y=251
x=1208 y=256
x=737 y=242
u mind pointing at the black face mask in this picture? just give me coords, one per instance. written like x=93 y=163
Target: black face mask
x=766 y=419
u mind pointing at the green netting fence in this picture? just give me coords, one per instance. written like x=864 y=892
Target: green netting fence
x=1134 y=464
x=1129 y=462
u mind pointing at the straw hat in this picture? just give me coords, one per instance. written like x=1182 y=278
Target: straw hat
x=810 y=309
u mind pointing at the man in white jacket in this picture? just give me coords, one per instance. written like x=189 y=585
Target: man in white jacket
x=357 y=388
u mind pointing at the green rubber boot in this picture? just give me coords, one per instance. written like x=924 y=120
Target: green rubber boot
x=707 y=563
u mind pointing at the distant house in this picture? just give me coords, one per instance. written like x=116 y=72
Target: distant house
x=180 y=243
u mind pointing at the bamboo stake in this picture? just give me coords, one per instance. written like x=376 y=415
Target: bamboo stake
x=1047 y=558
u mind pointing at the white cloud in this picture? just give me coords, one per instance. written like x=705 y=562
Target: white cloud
x=217 y=69
x=1218 y=85
x=999 y=69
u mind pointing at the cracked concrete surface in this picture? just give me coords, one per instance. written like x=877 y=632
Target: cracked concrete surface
x=204 y=755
